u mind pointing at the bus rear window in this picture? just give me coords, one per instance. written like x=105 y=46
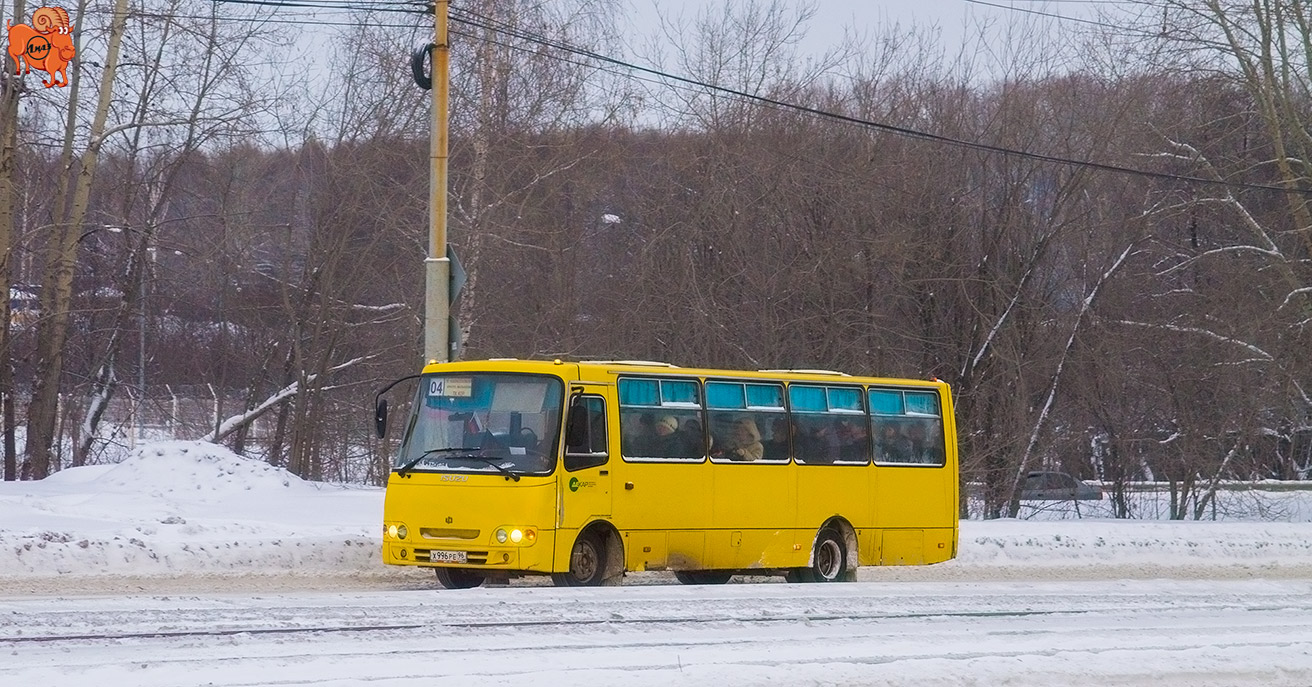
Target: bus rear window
x=908 y=427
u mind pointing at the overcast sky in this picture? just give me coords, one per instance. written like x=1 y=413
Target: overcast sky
x=875 y=16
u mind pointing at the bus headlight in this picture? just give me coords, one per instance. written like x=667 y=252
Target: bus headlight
x=401 y=532
x=397 y=531
x=523 y=536
x=391 y=531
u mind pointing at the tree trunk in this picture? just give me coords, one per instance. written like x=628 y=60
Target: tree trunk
x=8 y=151
x=57 y=291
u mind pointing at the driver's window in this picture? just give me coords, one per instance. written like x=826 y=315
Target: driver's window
x=586 y=433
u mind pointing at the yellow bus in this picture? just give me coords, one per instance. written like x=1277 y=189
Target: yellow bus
x=588 y=470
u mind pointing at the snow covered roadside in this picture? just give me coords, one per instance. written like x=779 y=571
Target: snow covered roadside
x=185 y=509
x=192 y=516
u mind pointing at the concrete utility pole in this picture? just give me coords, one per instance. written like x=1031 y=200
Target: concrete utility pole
x=437 y=268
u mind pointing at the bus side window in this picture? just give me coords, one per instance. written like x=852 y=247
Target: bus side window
x=585 y=434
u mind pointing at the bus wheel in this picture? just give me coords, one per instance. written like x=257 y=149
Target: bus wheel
x=587 y=563
x=702 y=576
x=830 y=559
x=458 y=578
x=827 y=562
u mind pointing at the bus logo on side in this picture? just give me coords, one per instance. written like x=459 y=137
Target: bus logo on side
x=575 y=484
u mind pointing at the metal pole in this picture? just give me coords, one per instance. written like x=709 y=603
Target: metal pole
x=437 y=268
x=141 y=342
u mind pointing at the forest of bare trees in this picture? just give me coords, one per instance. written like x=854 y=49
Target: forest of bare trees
x=1099 y=235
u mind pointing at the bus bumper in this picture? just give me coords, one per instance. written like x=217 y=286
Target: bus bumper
x=535 y=557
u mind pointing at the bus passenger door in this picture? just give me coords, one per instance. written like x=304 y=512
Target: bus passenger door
x=583 y=483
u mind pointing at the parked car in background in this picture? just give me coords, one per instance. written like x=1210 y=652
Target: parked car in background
x=1043 y=485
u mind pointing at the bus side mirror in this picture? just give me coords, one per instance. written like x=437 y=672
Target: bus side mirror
x=576 y=432
x=380 y=417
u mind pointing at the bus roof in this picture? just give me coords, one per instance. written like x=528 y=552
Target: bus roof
x=594 y=368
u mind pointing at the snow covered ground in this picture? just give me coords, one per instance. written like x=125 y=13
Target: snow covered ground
x=188 y=565
x=192 y=509
x=196 y=510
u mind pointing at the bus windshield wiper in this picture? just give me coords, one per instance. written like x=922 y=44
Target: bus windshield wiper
x=508 y=473
x=408 y=466
x=466 y=452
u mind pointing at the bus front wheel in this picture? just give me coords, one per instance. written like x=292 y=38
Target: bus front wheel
x=458 y=578
x=587 y=563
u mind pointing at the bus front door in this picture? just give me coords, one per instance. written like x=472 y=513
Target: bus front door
x=583 y=486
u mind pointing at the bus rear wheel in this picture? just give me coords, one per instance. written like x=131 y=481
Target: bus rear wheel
x=458 y=578
x=828 y=561
x=587 y=563
x=702 y=576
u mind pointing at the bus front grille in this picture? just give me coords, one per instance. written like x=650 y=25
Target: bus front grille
x=447 y=533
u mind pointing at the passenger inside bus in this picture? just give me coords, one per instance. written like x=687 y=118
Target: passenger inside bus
x=819 y=441
x=854 y=441
x=892 y=446
x=923 y=437
x=742 y=443
x=636 y=431
x=692 y=440
x=776 y=448
x=665 y=441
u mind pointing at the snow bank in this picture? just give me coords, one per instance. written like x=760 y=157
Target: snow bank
x=190 y=471
x=182 y=507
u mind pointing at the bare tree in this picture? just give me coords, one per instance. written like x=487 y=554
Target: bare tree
x=74 y=191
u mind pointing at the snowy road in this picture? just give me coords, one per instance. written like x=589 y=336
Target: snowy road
x=1132 y=632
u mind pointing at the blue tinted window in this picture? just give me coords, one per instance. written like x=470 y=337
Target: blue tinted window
x=724 y=395
x=885 y=402
x=922 y=403
x=765 y=396
x=679 y=392
x=807 y=399
x=845 y=399
x=639 y=392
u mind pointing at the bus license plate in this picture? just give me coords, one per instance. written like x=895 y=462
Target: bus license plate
x=447 y=556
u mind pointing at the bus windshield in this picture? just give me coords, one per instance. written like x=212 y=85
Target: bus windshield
x=475 y=422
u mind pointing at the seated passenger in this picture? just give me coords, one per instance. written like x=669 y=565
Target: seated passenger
x=636 y=434
x=923 y=444
x=854 y=441
x=743 y=443
x=665 y=443
x=777 y=447
x=692 y=441
x=821 y=444
x=892 y=447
